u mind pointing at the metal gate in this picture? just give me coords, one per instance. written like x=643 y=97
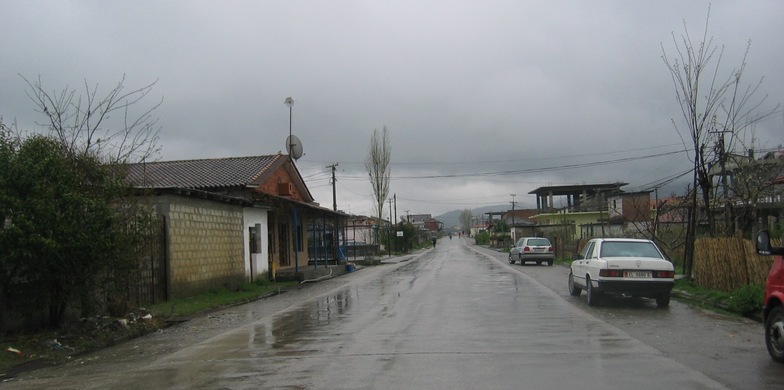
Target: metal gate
x=146 y=281
x=151 y=284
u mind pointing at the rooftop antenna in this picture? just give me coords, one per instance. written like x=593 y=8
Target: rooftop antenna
x=293 y=144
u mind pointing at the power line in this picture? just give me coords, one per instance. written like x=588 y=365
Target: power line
x=464 y=162
x=532 y=170
x=662 y=182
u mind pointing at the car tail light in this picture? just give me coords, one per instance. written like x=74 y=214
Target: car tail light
x=611 y=273
x=550 y=249
x=526 y=249
x=663 y=274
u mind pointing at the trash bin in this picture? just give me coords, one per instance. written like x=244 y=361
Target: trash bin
x=350 y=267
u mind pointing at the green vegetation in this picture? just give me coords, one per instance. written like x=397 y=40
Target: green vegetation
x=66 y=243
x=424 y=244
x=71 y=228
x=746 y=300
x=501 y=227
x=97 y=332
x=712 y=296
x=218 y=298
x=403 y=244
x=482 y=238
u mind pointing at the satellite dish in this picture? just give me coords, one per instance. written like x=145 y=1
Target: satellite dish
x=294 y=147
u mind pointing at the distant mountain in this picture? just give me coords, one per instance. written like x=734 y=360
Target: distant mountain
x=452 y=218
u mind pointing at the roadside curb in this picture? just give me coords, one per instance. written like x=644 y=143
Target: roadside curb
x=756 y=316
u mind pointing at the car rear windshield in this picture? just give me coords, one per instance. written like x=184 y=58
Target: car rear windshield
x=538 y=242
x=629 y=249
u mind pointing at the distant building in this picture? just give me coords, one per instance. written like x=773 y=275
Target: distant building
x=521 y=222
x=577 y=210
x=425 y=222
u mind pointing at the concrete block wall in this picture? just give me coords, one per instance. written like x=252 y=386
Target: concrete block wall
x=205 y=245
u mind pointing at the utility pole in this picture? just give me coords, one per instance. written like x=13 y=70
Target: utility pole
x=394 y=196
x=722 y=152
x=513 y=216
x=334 y=198
x=389 y=234
x=394 y=236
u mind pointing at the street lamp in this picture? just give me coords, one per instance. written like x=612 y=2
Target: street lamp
x=289 y=102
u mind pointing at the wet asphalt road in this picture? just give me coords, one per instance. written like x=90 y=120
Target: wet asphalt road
x=457 y=317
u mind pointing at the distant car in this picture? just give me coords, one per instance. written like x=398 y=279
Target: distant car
x=536 y=249
x=622 y=266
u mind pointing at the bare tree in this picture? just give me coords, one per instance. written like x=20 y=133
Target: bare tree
x=377 y=164
x=664 y=223
x=466 y=217
x=712 y=107
x=84 y=123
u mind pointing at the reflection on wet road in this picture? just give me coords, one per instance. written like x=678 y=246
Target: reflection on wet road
x=452 y=319
x=449 y=319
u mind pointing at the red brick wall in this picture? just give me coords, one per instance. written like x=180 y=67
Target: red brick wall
x=277 y=177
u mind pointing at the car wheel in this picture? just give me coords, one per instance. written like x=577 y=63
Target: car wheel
x=522 y=262
x=573 y=289
x=549 y=263
x=774 y=333
x=593 y=295
x=663 y=300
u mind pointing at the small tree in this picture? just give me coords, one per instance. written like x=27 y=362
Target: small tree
x=70 y=224
x=712 y=107
x=377 y=164
x=408 y=240
x=61 y=231
x=466 y=217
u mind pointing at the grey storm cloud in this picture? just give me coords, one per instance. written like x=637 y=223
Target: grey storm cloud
x=482 y=99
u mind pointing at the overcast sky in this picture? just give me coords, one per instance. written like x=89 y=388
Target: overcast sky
x=482 y=99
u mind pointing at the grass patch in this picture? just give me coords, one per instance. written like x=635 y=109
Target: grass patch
x=743 y=301
x=712 y=297
x=747 y=299
x=217 y=298
x=97 y=332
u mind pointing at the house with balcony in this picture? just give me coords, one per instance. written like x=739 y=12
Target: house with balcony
x=574 y=211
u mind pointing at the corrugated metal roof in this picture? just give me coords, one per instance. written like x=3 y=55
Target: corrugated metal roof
x=207 y=173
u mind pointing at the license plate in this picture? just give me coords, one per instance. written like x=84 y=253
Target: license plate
x=636 y=274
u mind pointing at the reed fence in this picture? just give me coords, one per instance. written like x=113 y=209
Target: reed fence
x=728 y=263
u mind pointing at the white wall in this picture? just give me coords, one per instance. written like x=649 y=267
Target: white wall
x=257 y=262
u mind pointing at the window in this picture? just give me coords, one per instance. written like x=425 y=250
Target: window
x=254 y=236
x=629 y=249
x=538 y=242
x=588 y=250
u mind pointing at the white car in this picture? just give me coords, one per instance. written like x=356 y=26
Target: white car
x=622 y=266
x=536 y=249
